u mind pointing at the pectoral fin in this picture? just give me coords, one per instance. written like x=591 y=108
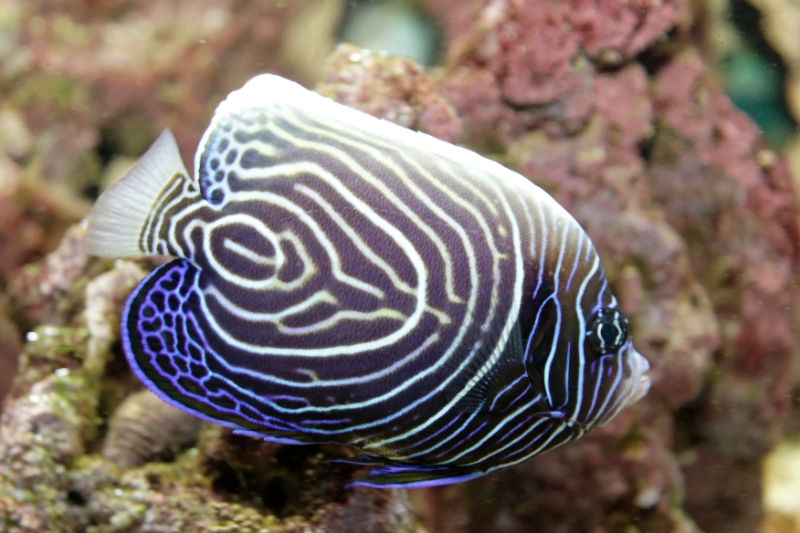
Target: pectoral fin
x=505 y=373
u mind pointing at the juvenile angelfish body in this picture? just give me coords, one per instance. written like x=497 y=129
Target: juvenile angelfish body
x=339 y=278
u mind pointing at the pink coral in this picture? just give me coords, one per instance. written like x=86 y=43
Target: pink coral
x=389 y=87
x=696 y=222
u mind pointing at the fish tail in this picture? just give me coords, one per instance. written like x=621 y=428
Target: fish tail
x=119 y=220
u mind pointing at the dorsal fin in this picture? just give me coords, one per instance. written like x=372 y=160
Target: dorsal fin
x=118 y=216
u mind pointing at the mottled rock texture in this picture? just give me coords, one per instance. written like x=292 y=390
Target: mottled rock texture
x=85 y=85
x=606 y=105
x=781 y=23
x=390 y=88
x=77 y=455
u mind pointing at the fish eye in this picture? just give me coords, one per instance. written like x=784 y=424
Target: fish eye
x=608 y=331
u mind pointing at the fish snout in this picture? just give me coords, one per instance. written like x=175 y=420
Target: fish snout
x=639 y=380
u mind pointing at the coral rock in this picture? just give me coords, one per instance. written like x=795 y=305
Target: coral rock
x=388 y=87
x=144 y=428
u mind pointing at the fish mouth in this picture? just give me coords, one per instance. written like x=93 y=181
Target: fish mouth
x=639 y=380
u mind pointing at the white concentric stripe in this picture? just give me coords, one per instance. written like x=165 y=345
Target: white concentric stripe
x=318 y=298
x=497 y=451
x=357 y=168
x=276 y=97
x=375 y=400
x=337 y=351
x=339 y=316
x=331 y=383
x=274 y=282
x=403 y=411
x=346 y=381
x=291 y=169
x=190 y=198
x=356 y=239
x=520 y=411
x=360 y=147
x=610 y=412
x=506 y=335
x=236 y=219
x=156 y=213
x=309 y=267
x=409 y=325
x=174 y=222
x=543 y=249
x=262 y=174
x=582 y=335
x=462 y=234
x=438 y=443
x=602 y=412
x=575 y=265
x=247 y=253
x=328 y=383
x=530 y=454
x=487 y=232
x=466 y=184
x=363 y=143
x=319 y=233
x=502 y=339
x=334 y=350
x=510 y=216
x=557 y=327
x=436 y=182
x=532 y=233
x=388 y=137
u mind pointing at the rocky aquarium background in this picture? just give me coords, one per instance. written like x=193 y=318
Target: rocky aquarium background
x=617 y=109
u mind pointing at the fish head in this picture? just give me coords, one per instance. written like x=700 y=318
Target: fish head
x=584 y=361
x=615 y=375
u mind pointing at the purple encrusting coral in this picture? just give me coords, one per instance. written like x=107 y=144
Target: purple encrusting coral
x=607 y=105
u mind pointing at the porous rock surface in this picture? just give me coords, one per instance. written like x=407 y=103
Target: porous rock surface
x=606 y=105
x=81 y=450
x=696 y=221
x=86 y=85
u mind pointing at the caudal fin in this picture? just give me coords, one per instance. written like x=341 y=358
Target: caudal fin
x=120 y=214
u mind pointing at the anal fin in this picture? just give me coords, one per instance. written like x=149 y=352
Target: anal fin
x=394 y=474
x=278 y=438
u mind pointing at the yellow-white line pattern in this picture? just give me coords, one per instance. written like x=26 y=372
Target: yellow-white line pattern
x=343 y=279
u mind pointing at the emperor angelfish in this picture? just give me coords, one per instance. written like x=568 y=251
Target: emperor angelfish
x=339 y=278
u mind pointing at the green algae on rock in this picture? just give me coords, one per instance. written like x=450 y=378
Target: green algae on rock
x=694 y=218
x=55 y=431
x=605 y=483
x=143 y=429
